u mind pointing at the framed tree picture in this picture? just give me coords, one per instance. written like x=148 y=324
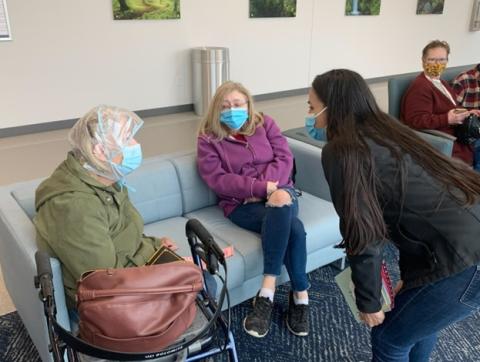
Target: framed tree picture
x=146 y=9
x=4 y=23
x=273 y=8
x=430 y=6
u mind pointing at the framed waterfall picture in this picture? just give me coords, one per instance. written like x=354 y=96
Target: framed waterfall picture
x=146 y=9
x=4 y=23
x=362 y=7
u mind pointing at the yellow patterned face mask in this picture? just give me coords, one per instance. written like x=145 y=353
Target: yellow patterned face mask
x=434 y=69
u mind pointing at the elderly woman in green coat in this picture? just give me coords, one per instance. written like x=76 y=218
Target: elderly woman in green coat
x=84 y=216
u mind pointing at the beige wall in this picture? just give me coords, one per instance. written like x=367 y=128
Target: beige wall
x=36 y=155
x=67 y=56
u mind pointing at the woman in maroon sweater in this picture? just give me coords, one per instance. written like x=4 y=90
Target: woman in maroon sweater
x=429 y=102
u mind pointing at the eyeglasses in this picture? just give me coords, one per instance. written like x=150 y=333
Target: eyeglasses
x=437 y=60
x=234 y=104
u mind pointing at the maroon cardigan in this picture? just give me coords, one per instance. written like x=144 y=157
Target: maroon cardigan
x=426 y=107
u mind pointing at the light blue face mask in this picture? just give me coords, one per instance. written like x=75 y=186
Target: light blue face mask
x=319 y=134
x=234 y=118
x=132 y=159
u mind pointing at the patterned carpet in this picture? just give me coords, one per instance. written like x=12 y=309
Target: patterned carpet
x=335 y=337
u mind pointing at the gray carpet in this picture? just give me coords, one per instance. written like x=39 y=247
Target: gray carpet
x=335 y=335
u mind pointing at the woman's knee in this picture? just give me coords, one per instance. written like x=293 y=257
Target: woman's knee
x=279 y=198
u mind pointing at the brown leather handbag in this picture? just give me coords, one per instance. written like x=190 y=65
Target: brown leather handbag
x=139 y=309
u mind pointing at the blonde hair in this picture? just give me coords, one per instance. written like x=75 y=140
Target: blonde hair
x=211 y=125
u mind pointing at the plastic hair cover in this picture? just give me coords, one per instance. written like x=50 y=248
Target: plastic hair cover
x=98 y=139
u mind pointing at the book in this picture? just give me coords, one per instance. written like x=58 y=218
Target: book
x=163 y=255
x=345 y=283
x=166 y=255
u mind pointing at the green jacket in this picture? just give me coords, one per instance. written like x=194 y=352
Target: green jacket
x=88 y=225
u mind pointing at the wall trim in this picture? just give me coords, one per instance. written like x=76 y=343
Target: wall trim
x=68 y=123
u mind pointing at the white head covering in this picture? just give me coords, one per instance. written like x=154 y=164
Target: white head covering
x=111 y=128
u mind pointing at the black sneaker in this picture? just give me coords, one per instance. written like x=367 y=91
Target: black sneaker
x=297 y=317
x=258 y=321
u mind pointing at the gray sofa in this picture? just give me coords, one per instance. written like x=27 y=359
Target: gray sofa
x=169 y=192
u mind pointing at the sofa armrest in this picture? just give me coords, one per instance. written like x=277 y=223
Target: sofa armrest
x=17 y=259
x=440 y=134
x=442 y=142
x=308 y=162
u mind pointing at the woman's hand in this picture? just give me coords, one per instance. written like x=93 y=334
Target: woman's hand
x=372 y=319
x=475 y=112
x=168 y=243
x=398 y=287
x=457 y=115
x=271 y=187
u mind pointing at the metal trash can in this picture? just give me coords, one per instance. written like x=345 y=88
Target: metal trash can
x=210 y=68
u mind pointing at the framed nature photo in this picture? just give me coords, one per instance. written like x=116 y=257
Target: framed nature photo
x=146 y=9
x=273 y=8
x=430 y=6
x=362 y=7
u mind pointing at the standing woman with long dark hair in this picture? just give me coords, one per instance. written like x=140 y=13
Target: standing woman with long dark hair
x=388 y=184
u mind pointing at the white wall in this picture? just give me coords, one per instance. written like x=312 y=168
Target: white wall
x=67 y=56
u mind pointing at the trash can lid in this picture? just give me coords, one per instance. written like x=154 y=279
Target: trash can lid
x=210 y=54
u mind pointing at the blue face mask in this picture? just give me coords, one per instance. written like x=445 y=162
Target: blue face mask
x=234 y=118
x=132 y=159
x=319 y=134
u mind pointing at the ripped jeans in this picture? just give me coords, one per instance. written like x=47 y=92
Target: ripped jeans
x=283 y=237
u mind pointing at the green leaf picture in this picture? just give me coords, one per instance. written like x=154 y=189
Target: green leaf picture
x=146 y=9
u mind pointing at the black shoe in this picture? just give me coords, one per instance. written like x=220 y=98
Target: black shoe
x=297 y=317
x=258 y=321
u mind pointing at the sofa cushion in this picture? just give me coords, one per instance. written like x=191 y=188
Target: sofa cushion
x=158 y=195
x=175 y=229
x=195 y=192
x=318 y=216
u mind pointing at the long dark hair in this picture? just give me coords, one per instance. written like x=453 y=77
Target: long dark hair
x=353 y=116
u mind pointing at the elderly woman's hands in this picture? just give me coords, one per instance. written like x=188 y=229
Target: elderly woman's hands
x=169 y=243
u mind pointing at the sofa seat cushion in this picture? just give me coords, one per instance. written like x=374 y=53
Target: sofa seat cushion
x=175 y=229
x=318 y=216
x=246 y=244
x=320 y=220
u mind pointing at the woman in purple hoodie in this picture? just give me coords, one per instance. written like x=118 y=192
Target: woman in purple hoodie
x=246 y=161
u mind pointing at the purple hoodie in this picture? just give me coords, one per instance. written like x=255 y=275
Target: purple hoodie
x=237 y=170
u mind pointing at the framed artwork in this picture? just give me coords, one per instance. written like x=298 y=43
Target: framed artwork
x=273 y=8
x=146 y=9
x=475 y=22
x=362 y=7
x=4 y=23
x=430 y=6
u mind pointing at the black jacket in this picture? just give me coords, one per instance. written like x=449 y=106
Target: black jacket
x=436 y=236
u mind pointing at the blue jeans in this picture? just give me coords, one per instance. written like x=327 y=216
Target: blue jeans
x=476 y=155
x=283 y=237
x=409 y=331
